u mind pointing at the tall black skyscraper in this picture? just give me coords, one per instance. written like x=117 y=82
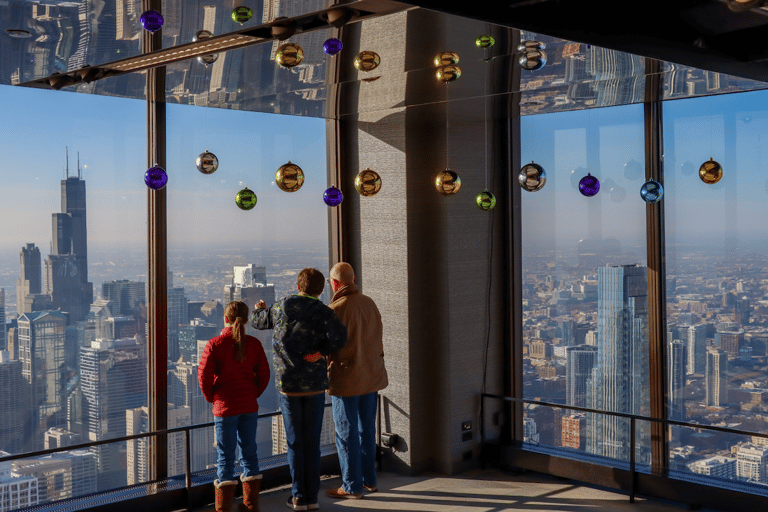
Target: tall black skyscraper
x=66 y=269
x=30 y=278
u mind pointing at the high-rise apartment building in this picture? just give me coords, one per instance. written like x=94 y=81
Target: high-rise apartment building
x=61 y=475
x=12 y=404
x=729 y=340
x=16 y=492
x=137 y=450
x=675 y=380
x=66 y=269
x=574 y=431
x=197 y=329
x=3 y=334
x=718 y=466
x=184 y=391
x=249 y=284
x=696 y=349
x=126 y=296
x=752 y=463
x=113 y=378
x=580 y=360
x=717 y=378
x=177 y=316
x=42 y=341
x=30 y=276
x=619 y=380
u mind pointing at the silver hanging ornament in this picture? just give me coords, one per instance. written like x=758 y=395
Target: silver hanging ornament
x=532 y=177
x=207 y=163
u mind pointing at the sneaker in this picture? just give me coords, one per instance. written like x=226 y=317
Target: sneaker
x=296 y=503
x=341 y=493
x=370 y=488
x=313 y=506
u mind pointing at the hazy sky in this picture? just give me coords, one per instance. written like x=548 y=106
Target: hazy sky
x=110 y=135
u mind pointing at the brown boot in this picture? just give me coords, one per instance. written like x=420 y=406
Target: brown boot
x=251 y=490
x=224 y=494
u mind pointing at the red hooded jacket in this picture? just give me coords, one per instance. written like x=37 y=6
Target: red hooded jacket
x=230 y=386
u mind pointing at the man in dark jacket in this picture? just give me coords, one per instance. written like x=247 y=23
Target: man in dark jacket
x=305 y=330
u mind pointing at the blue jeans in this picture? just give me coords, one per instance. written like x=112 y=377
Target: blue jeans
x=232 y=431
x=303 y=420
x=355 y=420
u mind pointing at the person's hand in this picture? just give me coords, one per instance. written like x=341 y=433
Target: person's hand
x=260 y=305
x=311 y=358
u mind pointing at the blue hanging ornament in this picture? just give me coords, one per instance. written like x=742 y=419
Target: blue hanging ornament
x=152 y=21
x=155 y=177
x=589 y=185
x=651 y=191
x=332 y=46
x=333 y=196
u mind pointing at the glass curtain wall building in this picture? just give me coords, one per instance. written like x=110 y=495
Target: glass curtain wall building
x=625 y=337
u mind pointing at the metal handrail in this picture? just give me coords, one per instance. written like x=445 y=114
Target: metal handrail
x=187 y=441
x=633 y=419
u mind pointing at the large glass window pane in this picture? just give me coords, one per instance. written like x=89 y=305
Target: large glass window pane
x=218 y=253
x=72 y=288
x=716 y=260
x=585 y=299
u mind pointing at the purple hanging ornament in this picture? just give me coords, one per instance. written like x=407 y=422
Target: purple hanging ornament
x=152 y=21
x=333 y=196
x=155 y=177
x=332 y=46
x=589 y=185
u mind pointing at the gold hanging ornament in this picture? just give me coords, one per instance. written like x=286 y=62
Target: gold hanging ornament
x=448 y=73
x=446 y=58
x=367 y=61
x=289 y=55
x=710 y=172
x=289 y=177
x=447 y=182
x=368 y=183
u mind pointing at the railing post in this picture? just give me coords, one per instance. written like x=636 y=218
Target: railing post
x=632 y=460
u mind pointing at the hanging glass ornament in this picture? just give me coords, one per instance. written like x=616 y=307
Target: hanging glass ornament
x=242 y=14
x=618 y=194
x=209 y=58
x=532 y=177
x=651 y=191
x=155 y=177
x=446 y=58
x=245 y=199
x=332 y=46
x=447 y=182
x=367 y=61
x=687 y=168
x=633 y=170
x=151 y=21
x=207 y=163
x=533 y=60
x=289 y=55
x=589 y=185
x=576 y=175
x=368 y=182
x=484 y=41
x=710 y=172
x=485 y=200
x=333 y=196
x=289 y=177
x=448 y=73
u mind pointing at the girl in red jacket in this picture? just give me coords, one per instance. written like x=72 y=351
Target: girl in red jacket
x=233 y=373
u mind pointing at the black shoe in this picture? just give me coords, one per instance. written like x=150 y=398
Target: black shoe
x=313 y=506
x=296 y=503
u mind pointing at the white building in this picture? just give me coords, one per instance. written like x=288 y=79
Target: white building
x=717 y=466
x=751 y=463
x=15 y=492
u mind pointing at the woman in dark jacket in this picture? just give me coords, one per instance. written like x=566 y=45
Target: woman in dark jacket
x=233 y=373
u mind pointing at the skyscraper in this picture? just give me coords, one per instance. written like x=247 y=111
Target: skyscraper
x=580 y=360
x=619 y=380
x=676 y=379
x=30 y=276
x=249 y=284
x=113 y=379
x=717 y=378
x=126 y=296
x=12 y=405
x=42 y=354
x=3 y=334
x=184 y=391
x=696 y=348
x=66 y=269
